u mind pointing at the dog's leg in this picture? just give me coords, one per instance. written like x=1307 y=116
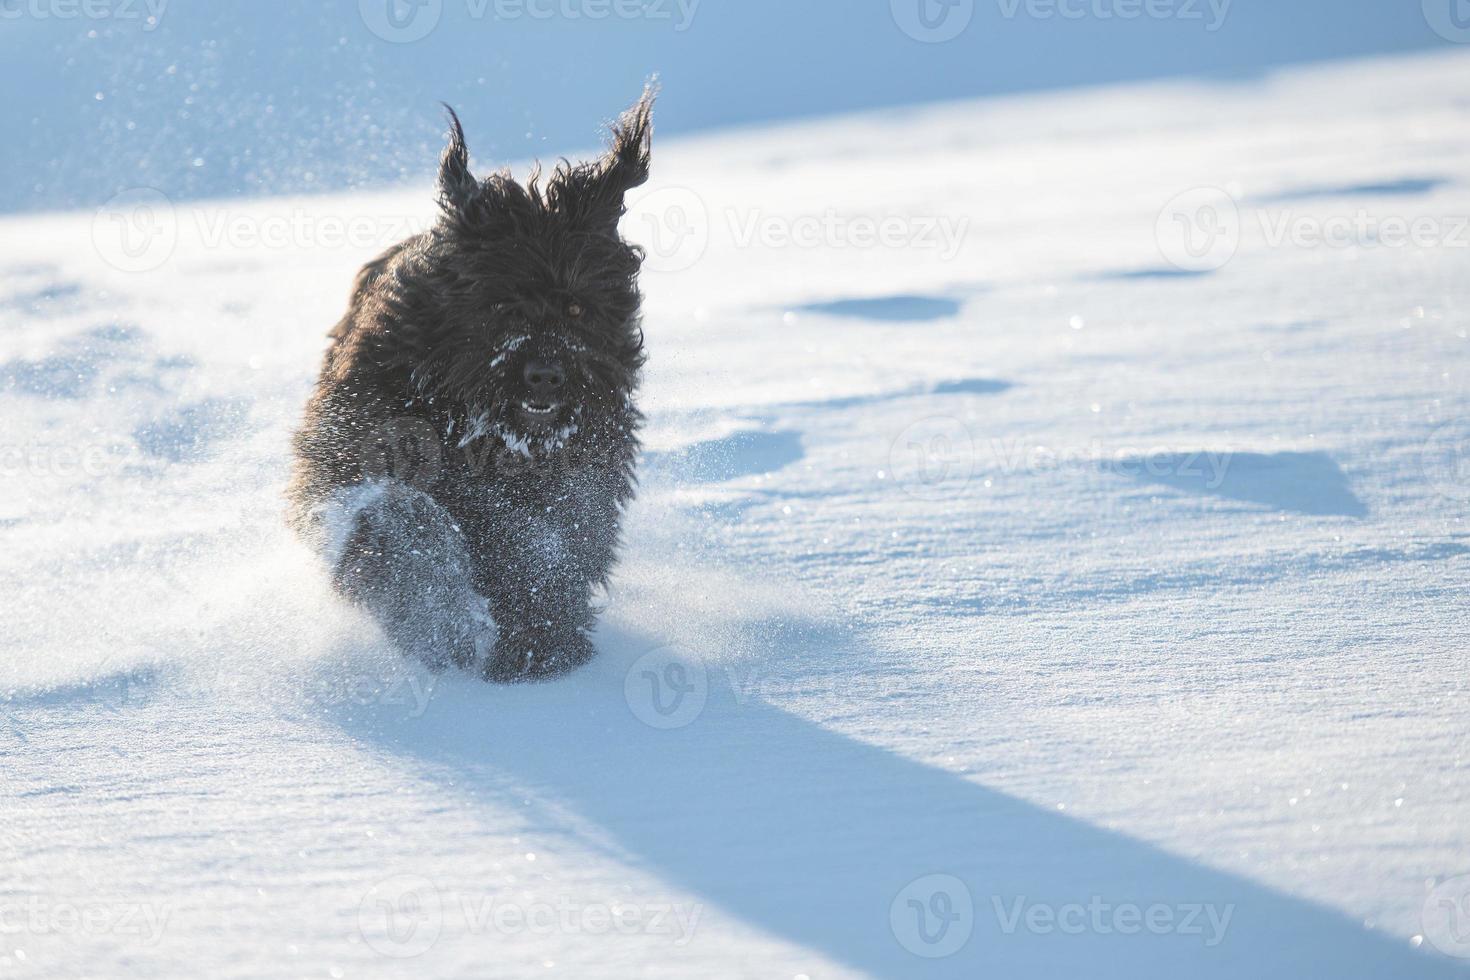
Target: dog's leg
x=541 y=635
x=540 y=589
x=407 y=563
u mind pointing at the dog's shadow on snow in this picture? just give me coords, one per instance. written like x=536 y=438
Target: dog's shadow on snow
x=860 y=854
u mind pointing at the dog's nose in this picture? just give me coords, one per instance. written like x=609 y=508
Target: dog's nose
x=545 y=377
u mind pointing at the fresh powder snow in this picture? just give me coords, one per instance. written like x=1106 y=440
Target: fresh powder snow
x=1050 y=560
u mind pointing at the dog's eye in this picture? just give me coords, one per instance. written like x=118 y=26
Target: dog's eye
x=575 y=310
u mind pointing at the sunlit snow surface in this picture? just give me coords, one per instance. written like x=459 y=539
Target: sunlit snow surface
x=992 y=575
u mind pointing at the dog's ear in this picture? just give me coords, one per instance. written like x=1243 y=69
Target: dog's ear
x=598 y=189
x=457 y=186
x=627 y=161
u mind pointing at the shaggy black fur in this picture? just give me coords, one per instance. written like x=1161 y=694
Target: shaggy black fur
x=469 y=447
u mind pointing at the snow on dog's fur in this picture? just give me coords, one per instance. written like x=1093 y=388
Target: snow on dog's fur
x=473 y=423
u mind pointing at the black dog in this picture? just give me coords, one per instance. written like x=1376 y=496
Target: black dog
x=469 y=448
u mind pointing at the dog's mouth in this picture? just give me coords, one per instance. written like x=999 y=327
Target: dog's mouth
x=539 y=413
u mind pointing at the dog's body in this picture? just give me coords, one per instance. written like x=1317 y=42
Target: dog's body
x=469 y=448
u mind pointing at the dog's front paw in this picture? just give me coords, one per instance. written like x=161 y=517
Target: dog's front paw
x=535 y=656
x=441 y=649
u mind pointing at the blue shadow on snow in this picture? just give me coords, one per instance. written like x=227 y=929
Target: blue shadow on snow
x=818 y=838
x=1304 y=483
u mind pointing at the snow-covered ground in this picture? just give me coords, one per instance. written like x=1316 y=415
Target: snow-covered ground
x=1002 y=600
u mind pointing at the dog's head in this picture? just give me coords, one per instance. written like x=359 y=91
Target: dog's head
x=537 y=333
